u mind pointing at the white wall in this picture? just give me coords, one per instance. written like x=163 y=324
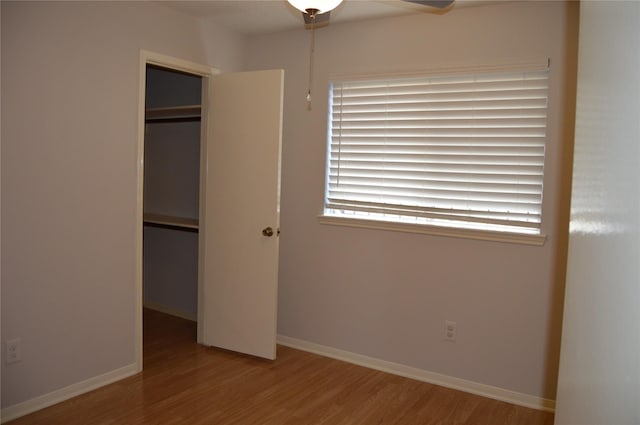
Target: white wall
x=0 y=207
x=69 y=164
x=385 y=294
x=600 y=364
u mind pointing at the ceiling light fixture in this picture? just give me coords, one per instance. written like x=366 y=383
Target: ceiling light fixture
x=311 y=9
x=320 y=6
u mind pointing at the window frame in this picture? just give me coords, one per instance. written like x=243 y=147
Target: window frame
x=535 y=239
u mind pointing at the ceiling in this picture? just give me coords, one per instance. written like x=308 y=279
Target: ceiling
x=253 y=17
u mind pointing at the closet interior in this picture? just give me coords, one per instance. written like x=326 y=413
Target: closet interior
x=171 y=191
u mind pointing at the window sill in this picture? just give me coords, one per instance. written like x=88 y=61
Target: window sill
x=485 y=235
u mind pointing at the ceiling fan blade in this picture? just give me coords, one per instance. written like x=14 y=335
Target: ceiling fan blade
x=440 y=4
x=322 y=19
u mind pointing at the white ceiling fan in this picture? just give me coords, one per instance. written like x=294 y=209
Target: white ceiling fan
x=317 y=12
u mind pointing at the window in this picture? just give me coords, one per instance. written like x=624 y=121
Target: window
x=462 y=151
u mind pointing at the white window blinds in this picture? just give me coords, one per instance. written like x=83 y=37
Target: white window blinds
x=462 y=150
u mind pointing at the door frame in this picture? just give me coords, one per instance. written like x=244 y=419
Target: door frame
x=207 y=73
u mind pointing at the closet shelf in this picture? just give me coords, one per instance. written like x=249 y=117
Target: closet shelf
x=173 y=113
x=166 y=220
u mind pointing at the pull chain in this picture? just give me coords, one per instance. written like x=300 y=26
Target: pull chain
x=312 y=13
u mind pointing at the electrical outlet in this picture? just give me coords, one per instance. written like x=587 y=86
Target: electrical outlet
x=14 y=352
x=450 y=330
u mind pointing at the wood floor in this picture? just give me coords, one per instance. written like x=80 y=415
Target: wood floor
x=184 y=383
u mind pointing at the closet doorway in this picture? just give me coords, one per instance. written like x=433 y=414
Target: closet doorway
x=171 y=191
x=208 y=201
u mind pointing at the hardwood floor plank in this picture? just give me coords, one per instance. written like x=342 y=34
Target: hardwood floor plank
x=184 y=383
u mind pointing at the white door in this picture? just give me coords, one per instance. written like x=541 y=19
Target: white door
x=239 y=257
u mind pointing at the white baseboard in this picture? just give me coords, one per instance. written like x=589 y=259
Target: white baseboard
x=46 y=400
x=170 y=311
x=489 y=391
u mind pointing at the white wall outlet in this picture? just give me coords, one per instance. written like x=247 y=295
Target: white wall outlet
x=450 y=330
x=14 y=351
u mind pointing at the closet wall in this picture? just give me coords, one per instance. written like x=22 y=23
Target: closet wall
x=171 y=192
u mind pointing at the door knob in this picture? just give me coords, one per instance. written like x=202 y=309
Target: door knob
x=267 y=231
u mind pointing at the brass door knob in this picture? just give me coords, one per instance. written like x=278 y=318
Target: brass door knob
x=267 y=231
